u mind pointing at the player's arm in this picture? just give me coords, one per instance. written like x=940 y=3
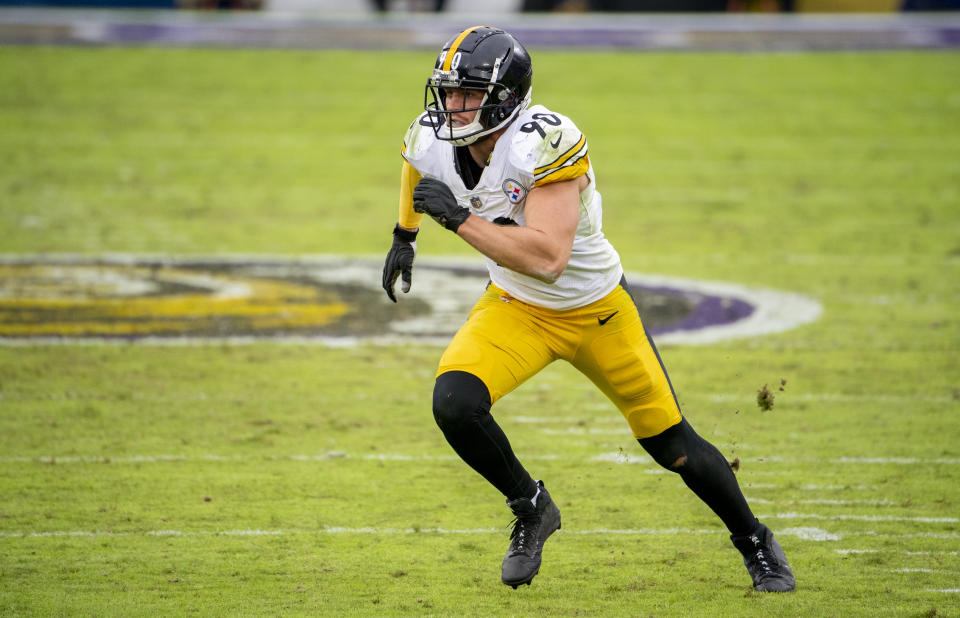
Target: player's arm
x=399 y=262
x=540 y=248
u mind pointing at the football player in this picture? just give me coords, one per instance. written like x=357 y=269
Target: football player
x=515 y=181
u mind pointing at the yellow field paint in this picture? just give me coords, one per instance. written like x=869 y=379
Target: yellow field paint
x=38 y=300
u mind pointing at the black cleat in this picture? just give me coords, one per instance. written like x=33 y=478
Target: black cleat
x=765 y=561
x=531 y=528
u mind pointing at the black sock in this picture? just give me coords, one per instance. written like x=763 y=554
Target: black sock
x=461 y=407
x=705 y=471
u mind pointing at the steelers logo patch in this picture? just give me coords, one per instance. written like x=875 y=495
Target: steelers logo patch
x=514 y=191
x=326 y=299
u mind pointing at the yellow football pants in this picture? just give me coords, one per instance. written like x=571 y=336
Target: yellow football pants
x=506 y=341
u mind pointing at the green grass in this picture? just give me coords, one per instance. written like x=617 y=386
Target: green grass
x=831 y=174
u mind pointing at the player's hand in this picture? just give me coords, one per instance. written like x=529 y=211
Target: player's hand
x=434 y=198
x=400 y=261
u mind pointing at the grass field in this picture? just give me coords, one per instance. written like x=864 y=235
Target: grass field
x=282 y=479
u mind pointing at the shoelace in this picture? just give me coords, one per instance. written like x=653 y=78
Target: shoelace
x=524 y=532
x=764 y=560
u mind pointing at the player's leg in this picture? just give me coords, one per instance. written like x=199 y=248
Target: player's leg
x=637 y=383
x=708 y=474
x=461 y=408
x=621 y=359
x=705 y=471
x=494 y=352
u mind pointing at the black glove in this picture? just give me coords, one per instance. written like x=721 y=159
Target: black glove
x=434 y=198
x=400 y=261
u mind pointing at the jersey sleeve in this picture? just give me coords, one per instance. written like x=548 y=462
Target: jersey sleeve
x=409 y=177
x=561 y=153
x=417 y=140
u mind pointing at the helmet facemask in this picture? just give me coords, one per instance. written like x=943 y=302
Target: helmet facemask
x=498 y=106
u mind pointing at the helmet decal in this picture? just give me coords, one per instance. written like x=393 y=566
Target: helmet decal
x=447 y=61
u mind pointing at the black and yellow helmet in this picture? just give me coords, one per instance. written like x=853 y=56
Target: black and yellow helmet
x=486 y=59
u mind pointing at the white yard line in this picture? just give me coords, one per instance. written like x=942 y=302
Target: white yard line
x=897 y=551
x=623 y=457
x=859 y=517
x=909 y=535
x=619 y=457
x=330 y=455
x=897 y=460
x=842 y=502
x=803 y=533
x=814 y=487
x=343 y=530
x=809 y=534
x=755 y=500
x=832 y=397
x=598 y=412
x=629 y=458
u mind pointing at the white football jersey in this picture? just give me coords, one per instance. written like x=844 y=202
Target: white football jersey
x=539 y=147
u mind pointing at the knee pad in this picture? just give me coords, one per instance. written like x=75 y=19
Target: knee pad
x=459 y=398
